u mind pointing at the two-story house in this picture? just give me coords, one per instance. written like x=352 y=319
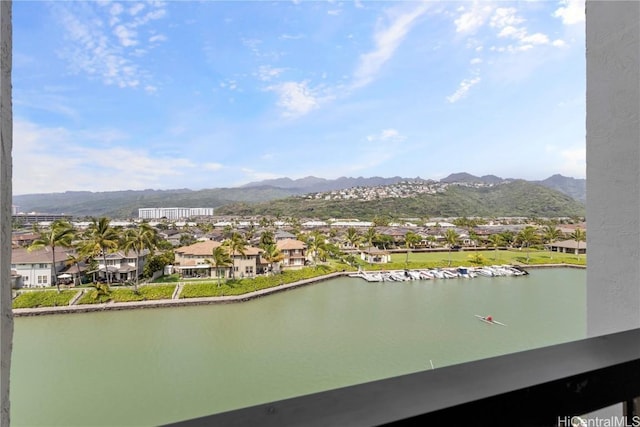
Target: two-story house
x=294 y=253
x=121 y=266
x=34 y=269
x=196 y=260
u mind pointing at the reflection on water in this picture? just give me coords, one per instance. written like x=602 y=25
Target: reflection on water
x=148 y=367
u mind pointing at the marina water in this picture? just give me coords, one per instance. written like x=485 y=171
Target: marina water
x=155 y=366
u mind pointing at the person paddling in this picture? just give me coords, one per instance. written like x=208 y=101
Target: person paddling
x=489 y=318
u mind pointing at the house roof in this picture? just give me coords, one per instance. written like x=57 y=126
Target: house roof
x=44 y=255
x=569 y=244
x=288 y=244
x=206 y=249
x=374 y=251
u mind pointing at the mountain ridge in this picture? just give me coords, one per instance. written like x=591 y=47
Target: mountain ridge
x=124 y=203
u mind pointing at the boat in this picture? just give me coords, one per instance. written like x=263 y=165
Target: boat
x=489 y=321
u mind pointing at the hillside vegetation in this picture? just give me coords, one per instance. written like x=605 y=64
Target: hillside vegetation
x=519 y=198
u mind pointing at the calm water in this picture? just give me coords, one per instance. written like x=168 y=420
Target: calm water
x=148 y=367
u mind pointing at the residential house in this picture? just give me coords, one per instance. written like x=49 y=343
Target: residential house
x=121 y=266
x=568 y=246
x=373 y=255
x=196 y=261
x=34 y=269
x=294 y=253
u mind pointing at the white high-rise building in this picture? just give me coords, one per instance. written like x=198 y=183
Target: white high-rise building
x=173 y=213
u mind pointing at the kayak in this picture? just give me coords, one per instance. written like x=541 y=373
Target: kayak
x=491 y=322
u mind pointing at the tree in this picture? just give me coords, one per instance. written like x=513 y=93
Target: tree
x=370 y=236
x=61 y=233
x=551 y=233
x=526 y=237
x=236 y=244
x=272 y=254
x=496 y=240
x=138 y=239
x=75 y=260
x=316 y=245
x=452 y=238
x=579 y=235
x=411 y=239
x=267 y=238
x=353 y=237
x=100 y=239
x=221 y=259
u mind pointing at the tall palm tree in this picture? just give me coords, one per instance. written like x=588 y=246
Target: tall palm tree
x=353 y=237
x=452 y=238
x=551 y=233
x=236 y=245
x=411 y=239
x=316 y=245
x=370 y=236
x=496 y=240
x=527 y=236
x=75 y=260
x=267 y=238
x=100 y=239
x=221 y=259
x=60 y=233
x=272 y=254
x=138 y=239
x=579 y=235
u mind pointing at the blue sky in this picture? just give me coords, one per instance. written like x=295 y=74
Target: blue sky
x=177 y=94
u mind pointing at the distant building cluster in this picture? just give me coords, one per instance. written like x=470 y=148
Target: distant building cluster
x=173 y=213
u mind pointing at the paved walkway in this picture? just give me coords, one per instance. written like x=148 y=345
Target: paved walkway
x=175 y=301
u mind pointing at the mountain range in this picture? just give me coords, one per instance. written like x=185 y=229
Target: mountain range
x=125 y=204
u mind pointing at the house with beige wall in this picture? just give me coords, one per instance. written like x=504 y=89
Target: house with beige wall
x=196 y=260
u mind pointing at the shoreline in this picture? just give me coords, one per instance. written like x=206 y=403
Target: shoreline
x=183 y=302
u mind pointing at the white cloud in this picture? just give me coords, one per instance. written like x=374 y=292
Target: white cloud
x=93 y=50
x=387 y=39
x=571 y=12
x=52 y=158
x=505 y=16
x=334 y=12
x=213 y=166
x=537 y=38
x=470 y=21
x=463 y=88
x=475 y=61
x=512 y=32
x=157 y=38
x=572 y=160
x=386 y=135
x=296 y=98
x=267 y=73
x=136 y=8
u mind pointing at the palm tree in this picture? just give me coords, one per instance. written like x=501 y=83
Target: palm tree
x=139 y=239
x=527 y=236
x=452 y=238
x=370 y=236
x=579 y=235
x=61 y=233
x=267 y=238
x=75 y=260
x=551 y=233
x=221 y=259
x=496 y=240
x=411 y=239
x=316 y=245
x=236 y=244
x=100 y=238
x=353 y=237
x=272 y=254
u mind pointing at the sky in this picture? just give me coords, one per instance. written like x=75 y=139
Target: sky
x=127 y=95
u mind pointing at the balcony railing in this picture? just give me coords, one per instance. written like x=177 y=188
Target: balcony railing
x=541 y=387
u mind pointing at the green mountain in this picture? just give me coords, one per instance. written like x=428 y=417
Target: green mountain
x=517 y=198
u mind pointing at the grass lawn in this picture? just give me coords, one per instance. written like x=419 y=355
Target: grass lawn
x=42 y=298
x=471 y=257
x=146 y=293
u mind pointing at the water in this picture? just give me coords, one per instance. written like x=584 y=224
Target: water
x=148 y=367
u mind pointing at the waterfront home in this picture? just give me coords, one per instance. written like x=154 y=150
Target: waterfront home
x=196 y=261
x=121 y=266
x=373 y=255
x=294 y=253
x=35 y=269
x=568 y=247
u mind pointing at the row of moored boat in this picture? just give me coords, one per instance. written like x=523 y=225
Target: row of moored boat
x=439 y=273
